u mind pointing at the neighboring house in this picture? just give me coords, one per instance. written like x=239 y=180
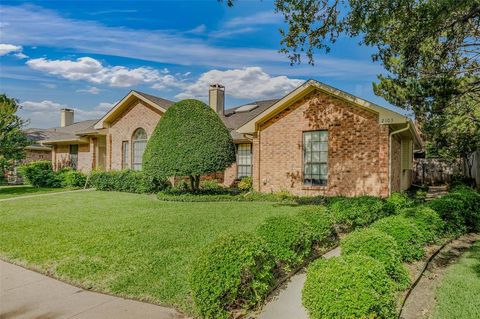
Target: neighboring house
x=315 y=140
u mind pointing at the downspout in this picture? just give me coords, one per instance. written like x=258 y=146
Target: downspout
x=390 y=155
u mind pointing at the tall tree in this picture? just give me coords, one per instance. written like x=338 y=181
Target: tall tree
x=430 y=50
x=12 y=139
x=189 y=140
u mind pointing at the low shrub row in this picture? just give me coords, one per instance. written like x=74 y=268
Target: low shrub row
x=362 y=282
x=233 y=275
x=41 y=174
x=126 y=181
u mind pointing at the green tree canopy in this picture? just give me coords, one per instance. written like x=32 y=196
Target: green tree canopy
x=12 y=139
x=189 y=140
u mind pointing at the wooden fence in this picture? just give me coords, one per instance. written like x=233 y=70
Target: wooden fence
x=433 y=171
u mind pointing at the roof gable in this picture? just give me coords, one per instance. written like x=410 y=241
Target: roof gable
x=157 y=102
x=386 y=116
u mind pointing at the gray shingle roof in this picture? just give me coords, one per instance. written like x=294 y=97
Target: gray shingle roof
x=157 y=100
x=60 y=133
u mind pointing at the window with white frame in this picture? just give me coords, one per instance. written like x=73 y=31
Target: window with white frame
x=315 y=158
x=244 y=160
x=139 y=142
x=125 y=153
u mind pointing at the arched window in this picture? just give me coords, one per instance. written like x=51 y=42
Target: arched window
x=139 y=141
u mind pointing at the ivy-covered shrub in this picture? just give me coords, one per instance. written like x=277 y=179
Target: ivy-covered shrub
x=40 y=174
x=126 y=181
x=287 y=238
x=471 y=201
x=72 y=178
x=398 y=201
x=409 y=238
x=451 y=210
x=377 y=244
x=233 y=272
x=245 y=184
x=427 y=221
x=319 y=221
x=353 y=286
x=358 y=211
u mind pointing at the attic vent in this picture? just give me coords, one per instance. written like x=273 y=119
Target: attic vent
x=246 y=108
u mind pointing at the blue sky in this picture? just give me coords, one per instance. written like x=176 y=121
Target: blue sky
x=87 y=55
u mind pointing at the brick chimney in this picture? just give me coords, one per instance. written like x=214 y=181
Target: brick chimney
x=216 y=98
x=66 y=117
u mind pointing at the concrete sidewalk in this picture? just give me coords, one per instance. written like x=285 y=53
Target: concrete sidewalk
x=287 y=304
x=27 y=294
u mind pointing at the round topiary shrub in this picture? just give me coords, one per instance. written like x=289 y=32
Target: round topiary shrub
x=353 y=286
x=382 y=247
x=358 y=211
x=320 y=222
x=409 y=239
x=427 y=221
x=287 y=238
x=234 y=272
x=190 y=140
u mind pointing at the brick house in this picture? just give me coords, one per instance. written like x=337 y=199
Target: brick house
x=315 y=140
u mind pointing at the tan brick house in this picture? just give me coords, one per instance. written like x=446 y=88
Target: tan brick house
x=315 y=140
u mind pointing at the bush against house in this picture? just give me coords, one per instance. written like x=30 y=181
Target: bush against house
x=189 y=140
x=41 y=174
x=126 y=181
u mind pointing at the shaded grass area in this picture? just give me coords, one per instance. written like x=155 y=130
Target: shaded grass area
x=127 y=244
x=22 y=190
x=458 y=295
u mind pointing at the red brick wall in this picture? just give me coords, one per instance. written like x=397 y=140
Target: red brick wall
x=135 y=116
x=37 y=155
x=358 y=149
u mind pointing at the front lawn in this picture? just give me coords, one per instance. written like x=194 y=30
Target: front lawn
x=127 y=244
x=458 y=295
x=21 y=190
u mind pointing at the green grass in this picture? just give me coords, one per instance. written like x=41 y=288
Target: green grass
x=21 y=190
x=458 y=295
x=127 y=244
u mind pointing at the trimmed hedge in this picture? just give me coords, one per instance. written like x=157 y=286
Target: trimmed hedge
x=398 y=201
x=409 y=238
x=450 y=209
x=288 y=239
x=234 y=272
x=126 y=181
x=358 y=211
x=353 y=286
x=320 y=222
x=41 y=174
x=427 y=221
x=72 y=178
x=376 y=244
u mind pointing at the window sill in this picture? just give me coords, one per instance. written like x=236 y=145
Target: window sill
x=313 y=188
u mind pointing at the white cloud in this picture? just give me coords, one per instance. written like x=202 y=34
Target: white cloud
x=91 y=90
x=92 y=70
x=46 y=113
x=49 y=85
x=260 y=18
x=9 y=48
x=245 y=83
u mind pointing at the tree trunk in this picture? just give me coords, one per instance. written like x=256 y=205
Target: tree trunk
x=192 y=182
x=197 y=182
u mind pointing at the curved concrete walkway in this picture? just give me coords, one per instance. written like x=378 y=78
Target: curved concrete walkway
x=27 y=294
x=287 y=303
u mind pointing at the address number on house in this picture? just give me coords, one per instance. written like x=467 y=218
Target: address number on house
x=386 y=120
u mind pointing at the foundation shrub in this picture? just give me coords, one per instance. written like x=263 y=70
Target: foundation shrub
x=358 y=211
x=233 y=272
x=377 y=244
x=288 y=239
x=72 y=178
x=450 y=208
x=409 y=238
x=398 y=201
x=126 y=181
x=427 y=221
x=245 y=184
x=320 y=222
x=40 y=174
x=353 y=286
x=471 y=202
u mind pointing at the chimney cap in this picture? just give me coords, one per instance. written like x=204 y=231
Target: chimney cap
x=216 y=86
x=66 y=109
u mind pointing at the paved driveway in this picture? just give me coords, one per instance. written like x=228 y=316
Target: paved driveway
x=27 y=294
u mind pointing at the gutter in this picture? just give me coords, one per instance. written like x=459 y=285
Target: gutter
x=390 y=155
